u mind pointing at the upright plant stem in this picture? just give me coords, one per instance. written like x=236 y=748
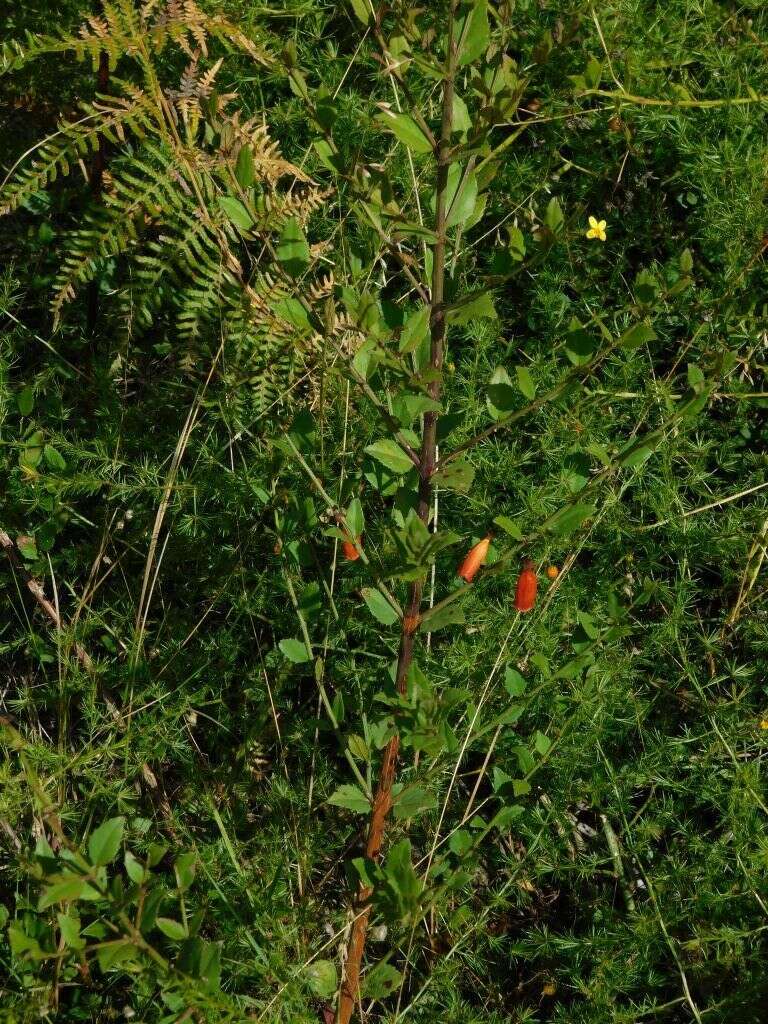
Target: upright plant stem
x=382 y=801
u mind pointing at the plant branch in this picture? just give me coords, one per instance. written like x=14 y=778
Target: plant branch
x=382 y=802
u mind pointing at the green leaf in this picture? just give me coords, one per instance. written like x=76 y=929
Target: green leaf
x=53 y=458
x=461 y=196
x=70 y=889
x=379 y=606
x=593 y=73
x=516 y=244
x=116 y=952
x=321 y=978
x=28 y=548
x=541 y=743
x=355 y=518
x=135 y=869
x=414 y=330
x=473 y=31
x=579 y=345
x=502 y=397
x=362 y=10
x=293 y=249
x=514 y=683
x=462 y=122
x=450 y=615
x=70 y=931
x=173 y=929
x=390 y=454
x=456 y=476
x=236 y=212
x=184 y=869
x=525 y=382
x=475 y=306
x=554 y=218
x=245 y=172
x=509 y=526
x=105 y=841
x=351 y=798
x=25 y=401
x=295 y=651
x=412 y=801
x=381 y=982
x=637 y=335
x=358 y=747
x=569 y=519
x=405 y=129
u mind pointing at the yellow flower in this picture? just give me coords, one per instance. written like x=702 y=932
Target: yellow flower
x=596 y=229
x=764 y=723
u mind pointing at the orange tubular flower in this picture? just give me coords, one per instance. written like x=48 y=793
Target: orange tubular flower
x=474 y=559
x=349 y=550
x=525 y=592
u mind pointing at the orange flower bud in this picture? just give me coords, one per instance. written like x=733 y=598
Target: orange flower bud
x=525 y=592
x=552 y=572
x=474 y=559
x=349 y=550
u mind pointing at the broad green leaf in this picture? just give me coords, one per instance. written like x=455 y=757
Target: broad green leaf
x=295 y=650
x=569 y=519
x=25 y=401
x=53 y=458
x=456 y=476
x=236 y=212
x=414 y=330
x=541 y=743
x=355 y=518
x=525 y=382
x=554 y=218
x=390 y=454
x=450 y=615
x=358 y=747
x=405 y=129
x=502 y=397
x=112 y=953
x=70 y=931
x=509 y=526
x=321 y=978
x=351 y=798
x=245 y=172
x=514 y=683
x=579 y=346
x=379 y=606
x=382 y=981
x=135 y=869
x=362 y=10
x=475 y=306
x=462 y=122
x=184 y=869
x=413 y=801
x=173 y=929
x=637 y=335
x=70 y=889
x=473 y=31
x=105 y=841
x=516 y=244
x=293 y=249
x=461 y=195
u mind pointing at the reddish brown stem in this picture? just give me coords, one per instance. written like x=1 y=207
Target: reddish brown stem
x=382 y=801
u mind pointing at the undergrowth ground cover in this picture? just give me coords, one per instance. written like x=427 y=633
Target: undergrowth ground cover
x=300 y=302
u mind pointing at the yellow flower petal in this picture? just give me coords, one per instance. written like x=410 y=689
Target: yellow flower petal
x=764 y=723
x=593 y=222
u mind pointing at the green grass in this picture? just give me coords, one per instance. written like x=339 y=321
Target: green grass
x=656 y=740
